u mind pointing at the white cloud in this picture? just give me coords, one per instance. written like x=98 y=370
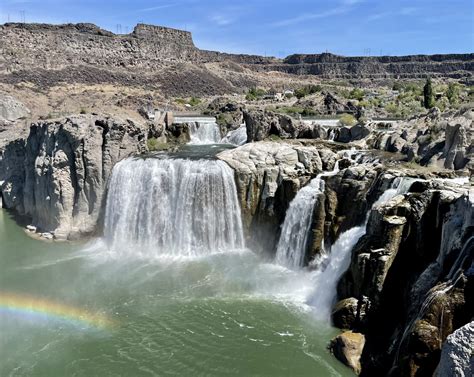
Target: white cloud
x=343 y=7
x=221 y=19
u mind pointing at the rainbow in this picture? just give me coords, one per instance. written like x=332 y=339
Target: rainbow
x=33 y=308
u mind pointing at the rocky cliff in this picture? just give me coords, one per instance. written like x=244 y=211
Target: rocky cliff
x=159 y=57
x=57 y=173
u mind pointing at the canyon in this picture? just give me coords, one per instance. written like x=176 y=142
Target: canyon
x=179 y=228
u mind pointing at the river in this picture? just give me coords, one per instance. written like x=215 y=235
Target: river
x=71 y=310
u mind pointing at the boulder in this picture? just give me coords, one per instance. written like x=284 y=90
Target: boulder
x=457 y=354
x=457 y=142
x=11 y=109
x=261 y=124
x=347 y=348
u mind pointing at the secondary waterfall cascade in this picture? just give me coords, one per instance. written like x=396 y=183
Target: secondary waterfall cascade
x=339 y=258
x=172 y=206
x=292 y=246
x=236 y=137
x=203 y=130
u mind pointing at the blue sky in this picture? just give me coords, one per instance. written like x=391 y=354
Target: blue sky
x=279 y=27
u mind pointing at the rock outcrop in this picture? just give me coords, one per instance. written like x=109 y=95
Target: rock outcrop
x=347 y=348
x=11 y=109
x=457 y=355
x=268 y=175
x=57 y=175
x=409 y=283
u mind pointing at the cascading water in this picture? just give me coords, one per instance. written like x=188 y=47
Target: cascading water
x=204 y=132
x=172 y=206
x=236 y=137
x=339 y=258
x=291 y=249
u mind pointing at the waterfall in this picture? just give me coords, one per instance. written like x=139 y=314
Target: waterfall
x=172 y=206
x=293 y=243
x=236 y=137
x=339 y=258
x=204 y=132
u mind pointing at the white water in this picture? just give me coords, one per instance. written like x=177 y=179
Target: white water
x=339 y=258
x=236 y=137
x=292 y=246
x=172 y=207
x=203 y=130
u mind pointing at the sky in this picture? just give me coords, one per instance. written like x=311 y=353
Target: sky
x=278 y=27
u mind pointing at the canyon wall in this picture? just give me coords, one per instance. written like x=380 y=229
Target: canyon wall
x=154 y=56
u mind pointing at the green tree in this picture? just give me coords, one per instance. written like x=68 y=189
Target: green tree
x=428 y=97
x=452 y=93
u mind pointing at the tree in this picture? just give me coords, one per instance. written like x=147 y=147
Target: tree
x=452 y=93
x=428 y=97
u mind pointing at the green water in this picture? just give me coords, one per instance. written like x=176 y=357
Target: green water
x=223 y=315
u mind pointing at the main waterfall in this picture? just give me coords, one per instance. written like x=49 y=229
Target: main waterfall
x=172 y=206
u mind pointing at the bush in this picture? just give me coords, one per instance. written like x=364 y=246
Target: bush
x=357 y=94
x=452 y=93
x=254 y=94
x=194 y=101
x=347 y=120
x=83 y=110
x=307 y=90
x=152 y=144
x=397 y=85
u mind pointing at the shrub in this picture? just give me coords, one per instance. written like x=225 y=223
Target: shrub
x=357 y=94
x=307 y=90
x=347 y=120
x=397 y=85
x=452 y=93
x=152 y=144
x=194 y=101
x=254 y=94
x=83 y=110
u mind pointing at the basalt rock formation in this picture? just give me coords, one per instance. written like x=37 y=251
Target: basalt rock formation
x=268 y=175
x=409 y=284
x=57 y=174
x=158 y=57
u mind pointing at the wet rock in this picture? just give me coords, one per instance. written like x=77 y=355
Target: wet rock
x=268 y=175
x=346 y=313
x=347 y=348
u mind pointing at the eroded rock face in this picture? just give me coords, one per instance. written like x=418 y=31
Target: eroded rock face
x=261 y=124
x=268 y=175
x=58 y=174
x=410 y=274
